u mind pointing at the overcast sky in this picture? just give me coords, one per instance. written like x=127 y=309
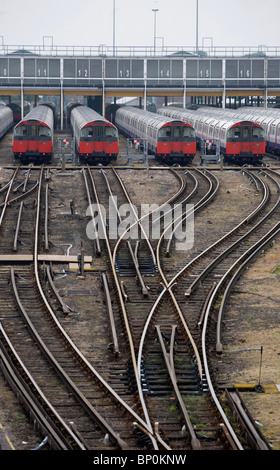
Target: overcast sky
x=90 y=22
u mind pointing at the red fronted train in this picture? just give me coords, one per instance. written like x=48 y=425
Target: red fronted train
x=96 y=138
x=33 y=135
x=167 y=138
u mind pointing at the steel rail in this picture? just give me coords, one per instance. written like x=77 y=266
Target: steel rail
x=146 y=424
x=133 y=256
x=92 y=412
x=255 y=249
x=248 y=257
x=46 y=217
x=264 y=201
x=168 y=361
x=35 y=407
x=206 y=198
x=228 y=250
x=62 y=304
x=171 y=199
x=167 y=288
x=135 y=215
x=24 y=182
x=22 y=196
x=199 y=204
x=249 y=426
x=211 y=300
x=111 y=315
x=18 y=226
x=97 y=241
x=120 y=295
x=5 y=203
x=176 y=195
x=211 y=247
x=65 y=335
x=120 y=291
x=8 y=184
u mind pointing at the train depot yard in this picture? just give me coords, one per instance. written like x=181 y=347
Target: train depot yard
x=136 y=345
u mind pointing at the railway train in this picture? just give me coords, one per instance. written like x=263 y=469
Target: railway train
x=239 y=139
x=16 y=109
x=6 y=119
x=96 y=138
x=33 y=135
x=167 y=138
x=267 y=118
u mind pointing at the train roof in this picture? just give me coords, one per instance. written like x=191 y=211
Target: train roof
x=41 y=113
x=85 y=116
x=154 y=119
x=71 y=105
x=5 y=111
x=225 y=120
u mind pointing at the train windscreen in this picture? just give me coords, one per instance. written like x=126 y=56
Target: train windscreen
x=176 y=133
x=32 y=132
x=99 y=133
x=245 y=134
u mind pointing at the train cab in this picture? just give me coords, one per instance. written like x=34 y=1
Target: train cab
x=33 y=136
x=176 y=138
x=242 y=140
x=95 y=137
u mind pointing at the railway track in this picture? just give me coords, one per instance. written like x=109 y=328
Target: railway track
x=196 y=298
x=35 y=330
x=157 y=392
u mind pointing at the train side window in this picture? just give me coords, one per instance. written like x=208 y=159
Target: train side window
x=258 y=134
x=111 y=133
x=20 y=131
x=44 y=131
x=234 y=134
x=164 y=133
x=188 y=132
x=86 y=132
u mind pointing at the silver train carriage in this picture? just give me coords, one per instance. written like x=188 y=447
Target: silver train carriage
x=6 y=119
x=237 y=137
x=95 y=137
x=166 y=138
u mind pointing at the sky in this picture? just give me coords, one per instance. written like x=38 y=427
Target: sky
x=90 y=22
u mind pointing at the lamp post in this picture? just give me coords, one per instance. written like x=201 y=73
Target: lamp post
x=114 y=25
x=196 y=27
x=155 y=27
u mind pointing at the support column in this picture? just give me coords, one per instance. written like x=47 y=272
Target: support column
x=61 y=95
x=21 y=87
x=185 y=83
x=224 y=83
x=103 y=89
x=265 y=98
x=145 y=84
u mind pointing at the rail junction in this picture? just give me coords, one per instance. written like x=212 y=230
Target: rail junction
x=160 y=340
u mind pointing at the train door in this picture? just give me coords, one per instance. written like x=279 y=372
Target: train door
x=98 y=139
x=246 y=139
x=32 y=138
x=176 y=139
x=44 y=140
x=20 y=139
x=164 y=140
x=110 y=140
